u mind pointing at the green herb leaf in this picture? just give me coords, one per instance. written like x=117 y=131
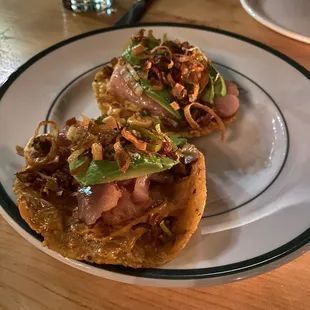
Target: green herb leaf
x=152 y=42
x=156 y=142
x=163 y=97
x=216 y=86
x=179 y=142
x=130 y=57
x=218 y=80
x=208 y=93
x=154 y=148
x=145 y=132
x=104 y=171
x=220 y=87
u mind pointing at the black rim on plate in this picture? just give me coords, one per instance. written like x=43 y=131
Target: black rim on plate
x=66 y=87
x=171 y=274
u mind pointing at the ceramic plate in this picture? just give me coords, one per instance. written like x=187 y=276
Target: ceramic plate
x=290 y=18
x=258 y=214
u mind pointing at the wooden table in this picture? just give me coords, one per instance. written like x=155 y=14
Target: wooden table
x=32 y=280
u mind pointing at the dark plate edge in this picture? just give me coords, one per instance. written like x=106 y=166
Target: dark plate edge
x=170 y=274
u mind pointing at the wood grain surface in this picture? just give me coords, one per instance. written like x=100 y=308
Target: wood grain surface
x=31 y=280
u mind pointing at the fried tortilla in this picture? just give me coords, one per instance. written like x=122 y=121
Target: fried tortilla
x=107 y=103
x=171 y=81
x=139 y=222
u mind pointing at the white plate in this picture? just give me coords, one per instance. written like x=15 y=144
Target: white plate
x=288 y=17
x=258 y=214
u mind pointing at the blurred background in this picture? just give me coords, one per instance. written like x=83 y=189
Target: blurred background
x=29 y=26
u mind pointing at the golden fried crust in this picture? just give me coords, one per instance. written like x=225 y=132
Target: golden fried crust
x=134 y=248
x=105 y=100
x=100 y=89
